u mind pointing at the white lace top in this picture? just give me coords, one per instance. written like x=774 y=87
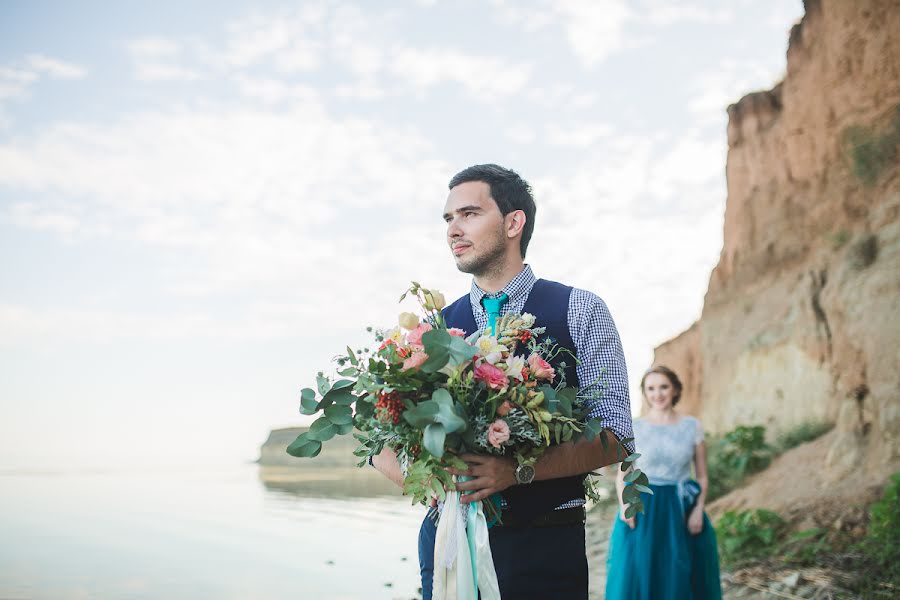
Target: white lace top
x=667 y=450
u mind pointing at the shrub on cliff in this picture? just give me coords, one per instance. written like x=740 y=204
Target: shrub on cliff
x=739 y=453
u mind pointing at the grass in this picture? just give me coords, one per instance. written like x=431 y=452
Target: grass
x=802 y=433
x=743 y=451
x=872 y=153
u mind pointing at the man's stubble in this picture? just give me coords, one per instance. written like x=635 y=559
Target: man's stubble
x=490 y=262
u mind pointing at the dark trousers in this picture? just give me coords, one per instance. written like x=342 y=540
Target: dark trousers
x=532 y=563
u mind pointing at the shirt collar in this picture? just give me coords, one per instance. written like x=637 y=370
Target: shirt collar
x=516 y=289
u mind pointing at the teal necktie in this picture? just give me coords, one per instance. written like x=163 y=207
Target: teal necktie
x=493 y=306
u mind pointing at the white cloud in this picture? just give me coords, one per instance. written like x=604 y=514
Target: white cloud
x=578 y=136
x=715 y=89
x=484 y=77
x=665 y=13
x=274 y=91
x=259 y=201
x=55 y=68
x=287 y=39
x=17 y=77
x=157 y=59
x=522 y=133
x=594 y=29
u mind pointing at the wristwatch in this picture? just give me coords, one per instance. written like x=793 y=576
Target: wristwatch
x=524 y=474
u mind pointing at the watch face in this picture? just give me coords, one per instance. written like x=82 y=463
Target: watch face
x=525 y=473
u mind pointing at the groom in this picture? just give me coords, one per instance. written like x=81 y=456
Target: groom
x=539 y=549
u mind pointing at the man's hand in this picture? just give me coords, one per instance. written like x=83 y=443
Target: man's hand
x=490 y=474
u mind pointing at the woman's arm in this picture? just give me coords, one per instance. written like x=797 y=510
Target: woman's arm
x=695 y=519
x=702 y=474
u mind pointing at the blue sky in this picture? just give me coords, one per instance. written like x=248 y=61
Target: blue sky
x=201 y=203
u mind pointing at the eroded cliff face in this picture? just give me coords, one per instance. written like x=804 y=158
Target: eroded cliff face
x=801 y=321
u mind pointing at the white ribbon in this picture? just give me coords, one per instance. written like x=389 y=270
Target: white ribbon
x=453 y=576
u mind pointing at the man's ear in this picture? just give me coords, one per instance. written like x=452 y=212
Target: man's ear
x=515 y=223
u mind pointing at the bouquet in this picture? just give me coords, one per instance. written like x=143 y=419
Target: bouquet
x=430 y=393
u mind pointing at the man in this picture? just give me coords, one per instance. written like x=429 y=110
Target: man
x=539 y=549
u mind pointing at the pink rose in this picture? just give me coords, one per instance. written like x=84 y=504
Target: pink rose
x=457 y=332
x=504 y=408
x=414 y=338
x=498 y=432
x=491 y=375
x=540 y=367
x=414 y=362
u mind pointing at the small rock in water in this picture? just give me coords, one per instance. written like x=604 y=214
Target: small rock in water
x=329 y=562
x=388 y=584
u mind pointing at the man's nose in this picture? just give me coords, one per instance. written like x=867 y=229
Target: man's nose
x=453 y=229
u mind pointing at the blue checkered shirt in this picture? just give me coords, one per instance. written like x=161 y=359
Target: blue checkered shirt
x=601 y=362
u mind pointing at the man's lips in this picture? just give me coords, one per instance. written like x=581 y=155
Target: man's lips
x=460 y=248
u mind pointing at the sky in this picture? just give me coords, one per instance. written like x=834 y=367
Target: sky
x=201 y=203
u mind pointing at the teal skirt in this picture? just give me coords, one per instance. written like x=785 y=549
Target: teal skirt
x=659 y=559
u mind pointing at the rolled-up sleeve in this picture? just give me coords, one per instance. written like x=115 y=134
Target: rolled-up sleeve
x=601 y=370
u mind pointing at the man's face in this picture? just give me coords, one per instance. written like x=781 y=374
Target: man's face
x=475 y=228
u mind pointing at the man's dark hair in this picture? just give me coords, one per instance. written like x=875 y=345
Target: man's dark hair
x=508 y=190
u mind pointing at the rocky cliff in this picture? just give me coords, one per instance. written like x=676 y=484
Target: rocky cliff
x=801 y=321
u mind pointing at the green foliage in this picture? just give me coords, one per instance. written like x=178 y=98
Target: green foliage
x=748 y=534
x=739 y=453
x=873 y=153
x=838 y=239
x=443 y=349
x=804 y=546
x=882 y=543
x=802 y=433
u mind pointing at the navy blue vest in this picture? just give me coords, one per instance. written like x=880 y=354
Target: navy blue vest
x=548 y=301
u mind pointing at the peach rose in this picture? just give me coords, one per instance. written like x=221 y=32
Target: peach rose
x=415 y=361
x=415 y=336
x=540 y=367
x=498 y=432
x=504 y=408
x=491 y=375
x=457 y=332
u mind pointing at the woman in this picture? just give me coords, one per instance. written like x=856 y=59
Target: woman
x=668 y=551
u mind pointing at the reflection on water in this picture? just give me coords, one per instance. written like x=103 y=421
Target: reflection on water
x=328 y=483
x=238 y=533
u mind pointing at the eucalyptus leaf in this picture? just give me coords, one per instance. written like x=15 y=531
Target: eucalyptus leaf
x=303 y=447
x=323 y=384
x=343 y=396
x=443 y=349
x=339 y=415
x=344 y=429
x=566 y=397
x=433 y=439
x=631 y=511
x=308 y=403
x=321 y=430
x=423 y=414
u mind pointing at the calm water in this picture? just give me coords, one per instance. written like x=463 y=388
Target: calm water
x=217 y=535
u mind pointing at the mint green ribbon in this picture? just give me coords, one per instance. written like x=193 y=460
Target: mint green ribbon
x=471 y=516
